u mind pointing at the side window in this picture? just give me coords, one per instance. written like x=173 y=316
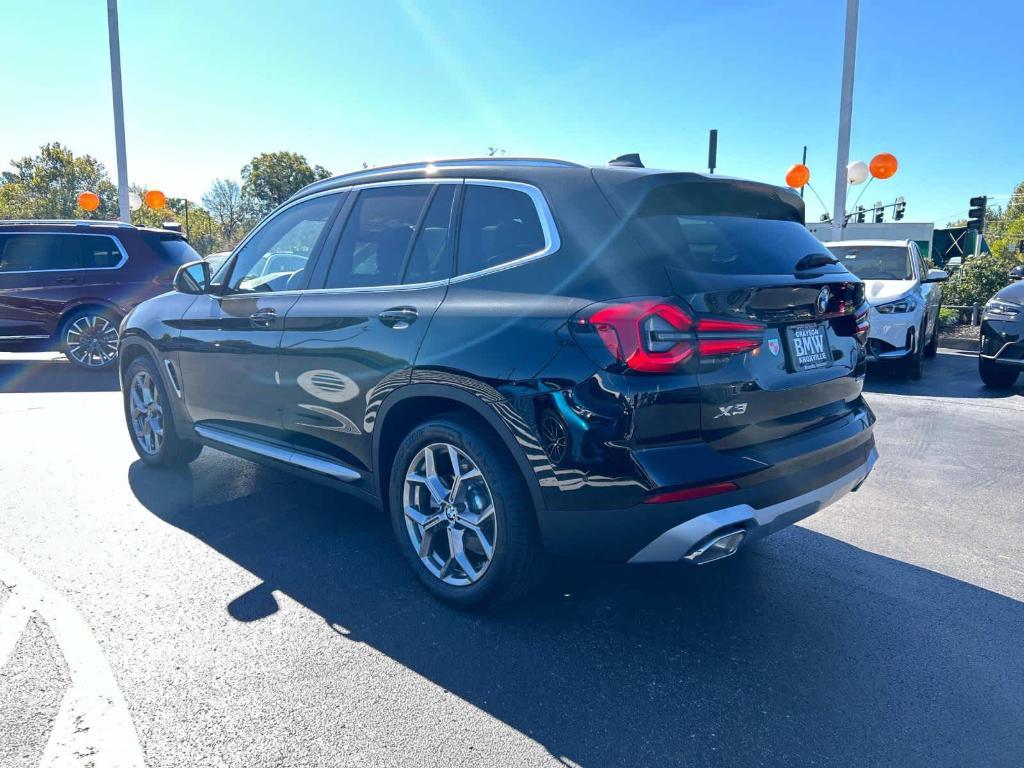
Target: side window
x=431 y=255
x=498 y=225
x=98 y=252
x=377 y=236
x=32 y=253
x=275 y=257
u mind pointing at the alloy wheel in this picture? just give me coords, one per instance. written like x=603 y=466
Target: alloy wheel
x=147 y=415
x=449 y=514
x=91 y=341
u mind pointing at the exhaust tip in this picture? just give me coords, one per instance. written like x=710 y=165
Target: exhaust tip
x=717 y=547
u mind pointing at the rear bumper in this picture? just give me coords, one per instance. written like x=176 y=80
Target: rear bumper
x=679 y=542
x=796 y=479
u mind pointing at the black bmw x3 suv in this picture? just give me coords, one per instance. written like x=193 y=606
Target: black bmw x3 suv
x=519 y=356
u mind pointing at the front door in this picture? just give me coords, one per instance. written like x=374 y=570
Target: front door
x=353 y=337
x=227 y=350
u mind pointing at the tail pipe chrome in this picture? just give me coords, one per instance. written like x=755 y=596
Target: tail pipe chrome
x=718 y=546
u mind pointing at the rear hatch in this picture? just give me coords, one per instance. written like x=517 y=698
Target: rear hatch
x=777 y=323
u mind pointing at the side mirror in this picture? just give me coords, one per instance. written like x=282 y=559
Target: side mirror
x=936 y=276
x=193 y=278
x=1017 y=273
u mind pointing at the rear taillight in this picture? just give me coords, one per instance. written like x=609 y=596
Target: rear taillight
x=658 y=335
x=863 y=323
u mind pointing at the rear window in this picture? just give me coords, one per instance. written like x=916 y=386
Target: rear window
x=875 y=262
x=174 y=249
x=499 y=225
x=725 y=244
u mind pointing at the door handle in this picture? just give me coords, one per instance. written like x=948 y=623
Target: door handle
x=398 y=317
x=263 y=318
x=67 y=280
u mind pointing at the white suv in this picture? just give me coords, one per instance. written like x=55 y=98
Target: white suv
x=904 y=299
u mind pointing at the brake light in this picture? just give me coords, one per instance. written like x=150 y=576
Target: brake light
x=863 y=323
x=658 y=335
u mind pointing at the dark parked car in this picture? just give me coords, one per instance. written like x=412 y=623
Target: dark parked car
x=1002 y=337
x=516 y=355
x=68 y=284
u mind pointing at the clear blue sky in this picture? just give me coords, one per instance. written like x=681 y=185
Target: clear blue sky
x=210 y=83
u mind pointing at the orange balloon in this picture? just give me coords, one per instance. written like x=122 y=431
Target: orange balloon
x=883 y=166
x=155 y=199
x=798 y=175
x=88 y=201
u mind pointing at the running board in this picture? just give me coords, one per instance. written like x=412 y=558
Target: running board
x=327 y=467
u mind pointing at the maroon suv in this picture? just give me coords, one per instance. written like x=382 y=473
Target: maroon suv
x=67 y=284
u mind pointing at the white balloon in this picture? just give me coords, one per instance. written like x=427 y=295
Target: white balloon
x=857 y=172
x=134 y=201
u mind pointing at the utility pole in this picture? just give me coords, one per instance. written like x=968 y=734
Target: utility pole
x=845 y=117
x=803 y=162
x=115 y=87
x=713 y=151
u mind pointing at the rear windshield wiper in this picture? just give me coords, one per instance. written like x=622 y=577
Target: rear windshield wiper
x=812 y=260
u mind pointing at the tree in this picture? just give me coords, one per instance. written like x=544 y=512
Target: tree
x=47 y=185
x=225 y=204
x=272 y=177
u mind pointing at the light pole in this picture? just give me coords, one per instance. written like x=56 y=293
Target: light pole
x=845 y=115
x=115 y=87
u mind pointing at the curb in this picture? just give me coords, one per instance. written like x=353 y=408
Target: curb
x=952 y=342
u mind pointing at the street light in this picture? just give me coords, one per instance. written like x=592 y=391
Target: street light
x=115 y=87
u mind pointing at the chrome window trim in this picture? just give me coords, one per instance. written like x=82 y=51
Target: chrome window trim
x=23 y=338
x=552 y=241
x=230 y=260
x=120 y=248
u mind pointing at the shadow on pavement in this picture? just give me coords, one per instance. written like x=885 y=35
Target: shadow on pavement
x=51 y=372
x=948 y=374
x=805 y=650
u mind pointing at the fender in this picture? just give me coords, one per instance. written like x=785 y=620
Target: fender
x=478 y=406
x=133 y=340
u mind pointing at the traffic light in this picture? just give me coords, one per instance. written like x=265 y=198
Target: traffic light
x=879 y=210
x=976 y=215
x=860 y=214
x=900 y=209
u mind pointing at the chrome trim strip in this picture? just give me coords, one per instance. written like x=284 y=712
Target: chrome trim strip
x=1002 y=349
x=22 y=338
x=675 y=543
x=114 y=240
x=552 y=241
x=285 y=455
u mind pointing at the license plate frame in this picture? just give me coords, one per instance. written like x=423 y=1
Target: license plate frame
x=805 y=353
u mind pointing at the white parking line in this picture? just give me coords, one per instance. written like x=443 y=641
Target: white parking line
x=93 y=726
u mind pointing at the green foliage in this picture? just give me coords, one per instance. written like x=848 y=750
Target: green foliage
x=948 y=317
x=272 y=177
x=47 y=185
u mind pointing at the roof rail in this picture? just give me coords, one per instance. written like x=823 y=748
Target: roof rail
x=461 y=162
x=68 y=222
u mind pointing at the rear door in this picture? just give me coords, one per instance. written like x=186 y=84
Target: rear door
x=733 y=253
x=353 y=335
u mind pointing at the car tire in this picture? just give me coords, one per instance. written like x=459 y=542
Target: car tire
x=997 y=375
x=482 y=543
x=932 y=348
x=147 y=412
x=89 y=338
x=913 y=364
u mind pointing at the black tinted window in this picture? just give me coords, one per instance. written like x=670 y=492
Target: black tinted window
x=98 y=252
x=498 y=225
x=29 y=253
x=724 y=244
x=274 y=258
x=377 y=236
x=173 y=249
x=430 y=258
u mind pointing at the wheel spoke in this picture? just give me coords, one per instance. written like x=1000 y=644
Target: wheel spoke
x=437 y=488
x=457 y=547
x=485 y=543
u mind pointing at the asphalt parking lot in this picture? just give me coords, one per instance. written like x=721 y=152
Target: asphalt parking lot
x=251 y=620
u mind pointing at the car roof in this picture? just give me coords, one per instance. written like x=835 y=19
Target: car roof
x=486 y=167
x=903 y=243
x=80 y=225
